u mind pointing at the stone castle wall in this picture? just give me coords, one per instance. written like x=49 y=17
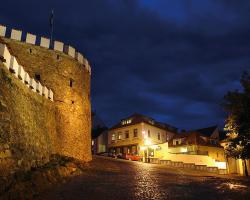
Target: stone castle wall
x=69 y=79
x=27 y=125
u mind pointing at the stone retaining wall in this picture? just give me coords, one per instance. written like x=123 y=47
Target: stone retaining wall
x=188 y=166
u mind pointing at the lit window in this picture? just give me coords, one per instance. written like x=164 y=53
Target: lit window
x=128 y=121
x=135 y=133
x=119 y=136
x=113 y=137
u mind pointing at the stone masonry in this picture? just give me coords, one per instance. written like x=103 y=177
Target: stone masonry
x=33 y=125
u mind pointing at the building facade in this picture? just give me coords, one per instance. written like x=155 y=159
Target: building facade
x=134 y=132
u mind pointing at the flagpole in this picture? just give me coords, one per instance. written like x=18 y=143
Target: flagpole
x=51 y=27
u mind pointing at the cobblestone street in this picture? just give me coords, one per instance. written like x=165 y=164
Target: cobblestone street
x=107 y=178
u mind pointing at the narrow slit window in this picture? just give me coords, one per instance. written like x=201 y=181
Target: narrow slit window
x=71 y=82
x=30 y=50
x=37 y=77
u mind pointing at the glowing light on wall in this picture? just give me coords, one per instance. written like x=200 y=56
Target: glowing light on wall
x=184 y=150
x=143 y=148
x=147 y=142
x=221 y=165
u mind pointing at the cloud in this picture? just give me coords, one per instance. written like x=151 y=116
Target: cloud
x=172 y=60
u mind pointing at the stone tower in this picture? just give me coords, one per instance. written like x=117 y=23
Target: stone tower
x=68 y=74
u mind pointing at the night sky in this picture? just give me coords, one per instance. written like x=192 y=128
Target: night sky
x=172 y=60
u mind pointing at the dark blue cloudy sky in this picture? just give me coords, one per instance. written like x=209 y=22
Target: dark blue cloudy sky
x=170 y=59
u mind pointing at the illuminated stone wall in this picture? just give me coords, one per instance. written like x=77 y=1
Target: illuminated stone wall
x=27 y=125
x=68 y=76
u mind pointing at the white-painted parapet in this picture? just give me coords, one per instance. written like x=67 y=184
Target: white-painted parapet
x=14 y=66
x=26 y=78
x=79 y=57
x=39 y=88
x=45 y=42
x=4 y=52
x=69 y=50
x=88 y=68
x=32 y=84
x=45 y=91
x=2 y=30
x=58 y=46
x=30 y=38
x=21 y=73
x=16 y=34
x=51 y=95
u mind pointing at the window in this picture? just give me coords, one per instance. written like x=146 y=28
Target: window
x=30 y=50
x=113 y=137
x=128 y=121
x=126 y=134
x=148 y=133
x=176 y=142
x=71 y=82
x=135 y=133
x=119 y=136
x=37 y=77
x=159 y=136
x=57 y=57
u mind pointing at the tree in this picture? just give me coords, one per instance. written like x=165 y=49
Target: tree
x=237 y=105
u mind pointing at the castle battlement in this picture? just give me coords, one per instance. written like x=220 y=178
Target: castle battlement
x=10 y=62
x=46 y=43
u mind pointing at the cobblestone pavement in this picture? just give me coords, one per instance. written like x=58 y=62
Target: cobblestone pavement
x=107 y=178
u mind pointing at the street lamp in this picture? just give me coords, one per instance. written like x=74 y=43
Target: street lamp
x=147 y=143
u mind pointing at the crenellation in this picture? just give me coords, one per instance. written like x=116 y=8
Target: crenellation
x=69 y=50
x=32 y=84
x=45 y=42
x=39 y=88
x=16 y=34
x=6 y=55
x=58 y=46
x=45 y=91
x=30 y=38
x=51 y=95
x=14 y=66
x=2 y=30
x=79 y=57
x=26 y=78
x=21 y=73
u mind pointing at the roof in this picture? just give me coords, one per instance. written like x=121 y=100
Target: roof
x=207 y=131
x=139 y=118
x=192 y=137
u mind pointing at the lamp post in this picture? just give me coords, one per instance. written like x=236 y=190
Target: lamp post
x=147 y=143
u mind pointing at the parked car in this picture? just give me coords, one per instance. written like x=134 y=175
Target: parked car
x=133 y=157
